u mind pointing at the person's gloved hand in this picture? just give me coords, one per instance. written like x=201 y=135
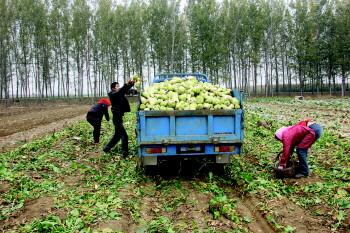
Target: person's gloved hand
x=280 y=167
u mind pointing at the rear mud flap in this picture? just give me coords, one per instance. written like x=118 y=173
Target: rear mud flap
x=149 y=160
x=223 y=159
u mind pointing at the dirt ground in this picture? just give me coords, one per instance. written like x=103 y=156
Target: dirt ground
x=194 y=208
x=20 y=124
x=18 y=119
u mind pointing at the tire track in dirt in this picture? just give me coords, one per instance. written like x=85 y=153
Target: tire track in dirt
x=285 y=212
x=248 y=208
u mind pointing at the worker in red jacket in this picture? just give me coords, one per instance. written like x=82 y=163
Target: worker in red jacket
x=301 y=136
x=95 y=115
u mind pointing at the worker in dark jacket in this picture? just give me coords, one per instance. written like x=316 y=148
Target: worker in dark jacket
x=95 y=115
x=120 y=105
x=301 y=136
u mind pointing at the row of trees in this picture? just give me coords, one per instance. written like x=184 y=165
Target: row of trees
x=65 y=48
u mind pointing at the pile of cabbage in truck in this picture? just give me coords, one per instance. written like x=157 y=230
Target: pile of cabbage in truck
x=187 y=94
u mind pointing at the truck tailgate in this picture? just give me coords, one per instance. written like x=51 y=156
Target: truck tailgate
x=200 y=126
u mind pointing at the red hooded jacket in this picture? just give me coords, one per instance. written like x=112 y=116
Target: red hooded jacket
x=299 y=136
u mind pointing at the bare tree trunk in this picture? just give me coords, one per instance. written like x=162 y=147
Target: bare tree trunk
x=79 y=73
x=148 y=71
x=37 y=78
x=16 y=63
x=271 y=78
x=239 y=75
x=289 y=75
x=245 y=77
x=229 y=72
x=343 y=80
x=12 y=80
x=67 y=71
x=82 y=75
x=87 y=68
x=267 y=82
x=124 y=67
x=276 y=72
x=95 y=75
x=255 y=78
x=283 y=69
x=58 y=72
x=261 y=82
x=99 y=83
x=61 y=66
x=3 y=68
x=242 y=74
x=234 y=70
x=301 y=79
x=25 y=80
x=330 y=72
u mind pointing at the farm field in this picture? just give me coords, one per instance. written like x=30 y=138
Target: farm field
x=63 y=183
x=20 y=124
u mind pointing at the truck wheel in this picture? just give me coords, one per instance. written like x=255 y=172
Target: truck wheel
x=151 y=170
x=219 y=168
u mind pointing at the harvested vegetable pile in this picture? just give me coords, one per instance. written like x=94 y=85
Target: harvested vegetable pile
x=187 y=94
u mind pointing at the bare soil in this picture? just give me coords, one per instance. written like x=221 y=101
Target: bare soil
x=4 y=186
x=72 y=180
x=23 y=124
x=32 y=209
x=249 y=209
x=304 y=181
x=288 y=213
x=17 y=119
x=115 y=226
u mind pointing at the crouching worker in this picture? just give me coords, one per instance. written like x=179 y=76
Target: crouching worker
x=301 y=136
x=95 y=115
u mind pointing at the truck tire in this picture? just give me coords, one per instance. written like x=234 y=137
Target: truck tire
x=219 y=168
x=149 y=165
x=150 y=170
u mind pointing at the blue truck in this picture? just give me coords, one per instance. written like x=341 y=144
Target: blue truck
x=212 y=134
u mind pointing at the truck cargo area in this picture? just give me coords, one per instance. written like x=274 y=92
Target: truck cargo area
x=214 y=135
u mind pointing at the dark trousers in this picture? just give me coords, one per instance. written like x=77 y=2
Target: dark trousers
x=303 y=166
x=119 y=133
x=95 y=121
